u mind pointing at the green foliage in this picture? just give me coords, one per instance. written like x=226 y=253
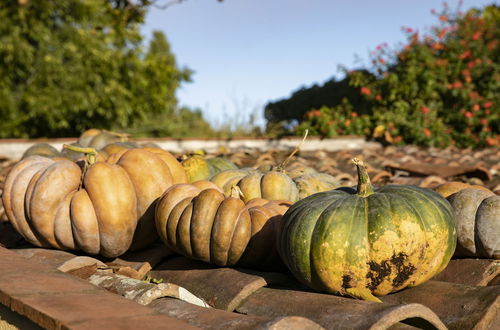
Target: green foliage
x=339 y=120
x=183 y=123
x=69 y=65
x=282 y=113
x=439 y=89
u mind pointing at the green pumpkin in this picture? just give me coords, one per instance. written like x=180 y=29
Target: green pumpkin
x=365 y=243
x=219 y=164
x=198 y=168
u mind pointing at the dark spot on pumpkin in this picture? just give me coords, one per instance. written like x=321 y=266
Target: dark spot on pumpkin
x=377 y=273
x=403 y=275
x=346 y=281
x=422 y=251
x=398 y=260
x=403 y=272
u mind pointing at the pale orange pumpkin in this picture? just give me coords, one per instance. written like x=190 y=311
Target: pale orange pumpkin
x=100 y=208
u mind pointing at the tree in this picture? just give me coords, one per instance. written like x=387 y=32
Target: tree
x=69 y=65
x=294 y=108
x=440 y=88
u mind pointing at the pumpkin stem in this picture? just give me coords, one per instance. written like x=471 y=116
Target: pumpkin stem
x=365 y=187
x=123 y=136
x=236 y=192
x=281 y=166
x=91 y=153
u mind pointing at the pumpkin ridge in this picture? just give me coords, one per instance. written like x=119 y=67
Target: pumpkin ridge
x=11 y=180
x=442 y=204
x=439 y=209
x=368 y=245
x=306 y=269
x=288 y=223
x=43 y=201
x=236 y=223
x=172 y=239
x=21 y=221
x=183 y=241
x=60 y=208
x=400 y=280
x=430 y=196
x=347 y=260
x=218 y=218
x=200 y=211
x=325 y=218
x=77 y=225
x=350 y=258
x=245 y=184
x=283 y=244
x=27 y=207
x=377 y=272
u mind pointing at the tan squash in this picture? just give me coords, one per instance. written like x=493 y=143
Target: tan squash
x=448 y=188
x=176 y=169
x=274 y=184
x=198 y=221
x=41 y=149
x=477 y=213
x=102 y=208
x=98 y=139
x=115 y=147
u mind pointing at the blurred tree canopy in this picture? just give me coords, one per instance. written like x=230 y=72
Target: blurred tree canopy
x=280 y=114
x=69 y=65
x=440 y=88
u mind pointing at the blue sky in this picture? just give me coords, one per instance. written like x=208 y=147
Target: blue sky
x=246 y=53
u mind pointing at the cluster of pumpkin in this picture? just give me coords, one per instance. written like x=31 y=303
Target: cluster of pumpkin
x=105 y=195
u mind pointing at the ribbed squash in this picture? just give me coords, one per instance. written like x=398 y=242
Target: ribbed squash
x=98 y=139
x=365 y=243
x=41 y=149
x=176 y=169
x=274 y=184
x=477 y=213
x=115 y=147
x=200 y=168
x=293 y=170
x=296 y=169
x=198 y=221
x=103 y=209
x=448 y=188
x=309 y=184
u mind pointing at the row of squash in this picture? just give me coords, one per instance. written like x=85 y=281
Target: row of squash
x=360 y=242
